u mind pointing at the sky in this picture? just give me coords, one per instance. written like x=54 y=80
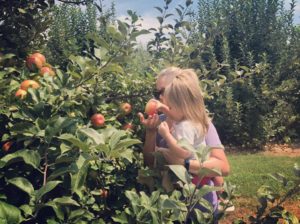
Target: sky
x=145 y=9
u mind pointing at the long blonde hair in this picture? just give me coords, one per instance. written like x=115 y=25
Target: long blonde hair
x=185 y=95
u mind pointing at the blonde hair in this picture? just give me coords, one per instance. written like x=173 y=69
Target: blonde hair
x=168 y=74
x=184 y=94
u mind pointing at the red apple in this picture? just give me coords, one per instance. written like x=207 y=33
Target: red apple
x=40 y=56
x=127 y=126
x=47 y=70
x=104 y=193
x=151 y=107
x=34 y=62
x=29 y=84
x=98 y=120
x=6 y=146
x=21 y=93
x=125 y=108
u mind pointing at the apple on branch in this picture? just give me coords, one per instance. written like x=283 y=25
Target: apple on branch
x=125 y=108
x=35 y=61
x=97 y=120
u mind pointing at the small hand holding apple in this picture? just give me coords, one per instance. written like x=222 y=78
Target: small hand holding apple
x=152 y=120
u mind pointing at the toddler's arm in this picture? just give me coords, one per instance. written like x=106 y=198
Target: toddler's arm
x=178 y=152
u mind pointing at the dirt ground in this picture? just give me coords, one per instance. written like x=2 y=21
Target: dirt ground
x=245 y=207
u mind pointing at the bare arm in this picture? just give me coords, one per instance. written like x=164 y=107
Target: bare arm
x=175 y=148
x=151 y=124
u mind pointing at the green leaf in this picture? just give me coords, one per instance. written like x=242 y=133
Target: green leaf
x=134 y=200
x=25 y=128
x=27 y=210
x=45 y=189
x=54 y=127
x=124 y=153
x=7 y=56
x=138 y=33
x=64 y=148
x=125 y=143
x=180 y=172
x=122 y=27
x=206 y=172
x=66 y=201
x=159 y=9
x=115 y=138
x=75 y=141
x=23 y=184
x=9 y=213
x=78 y=180
x=81 y=61
x=168 y=204
x=76 y=213
x=23 y=11
x=205 y=189
x=160 y=19
x=120 y=218
x=58 y=211
x=61 y=171
x=28 y=156
x=98 y=40
x=111 y=68
x=93 y=134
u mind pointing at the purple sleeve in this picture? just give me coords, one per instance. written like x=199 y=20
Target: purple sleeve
x=212 y=138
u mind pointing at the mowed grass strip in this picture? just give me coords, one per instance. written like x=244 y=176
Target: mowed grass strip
x=250 y=171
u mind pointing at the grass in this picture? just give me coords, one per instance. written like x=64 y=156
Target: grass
x=250 y=171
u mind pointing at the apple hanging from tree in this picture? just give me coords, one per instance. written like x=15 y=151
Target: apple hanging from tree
x=46 y=70
x=29 y=84
x=127 y=126
x=35 y=61
x=125 y=108
x=97 y=120
x=104 y=193
x=6 y=146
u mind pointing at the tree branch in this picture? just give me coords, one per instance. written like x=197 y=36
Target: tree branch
x=73 y=2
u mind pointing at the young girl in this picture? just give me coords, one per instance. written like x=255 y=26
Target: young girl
x=184 y=105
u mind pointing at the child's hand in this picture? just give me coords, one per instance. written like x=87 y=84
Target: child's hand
x=163 y=129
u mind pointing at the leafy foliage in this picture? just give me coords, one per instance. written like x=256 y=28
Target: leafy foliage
x=23 y=25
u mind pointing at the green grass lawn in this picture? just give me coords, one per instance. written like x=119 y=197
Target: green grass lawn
x=250 y=171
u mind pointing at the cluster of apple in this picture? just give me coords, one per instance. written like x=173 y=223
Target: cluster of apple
x=98 y=119
x=35 y=62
